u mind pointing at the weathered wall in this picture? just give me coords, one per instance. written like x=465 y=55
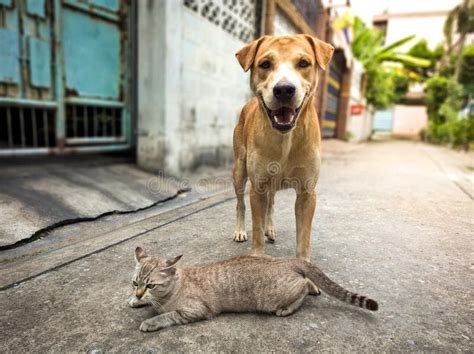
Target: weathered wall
x=213 y=89
x=409 y=120
x=423 y=18
x=358 y=126
x=283 y=26
x=191 y=88
x=152 y=84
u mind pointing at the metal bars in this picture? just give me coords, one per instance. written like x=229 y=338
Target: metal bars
x=62 y=117
x=25 y=127
x=93 y=124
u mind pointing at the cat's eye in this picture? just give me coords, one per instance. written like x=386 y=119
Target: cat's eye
x=265 y=64
x=303 y=63
x=134 y=283
x=151 y=286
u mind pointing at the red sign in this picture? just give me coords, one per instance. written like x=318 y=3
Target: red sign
x=357 y=109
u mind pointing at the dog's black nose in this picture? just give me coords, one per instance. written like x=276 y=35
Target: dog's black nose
x=284 y=90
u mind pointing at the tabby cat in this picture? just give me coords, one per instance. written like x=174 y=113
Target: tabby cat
x=240 y=284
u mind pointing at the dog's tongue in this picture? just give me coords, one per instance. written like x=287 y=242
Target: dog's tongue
x=284 y=115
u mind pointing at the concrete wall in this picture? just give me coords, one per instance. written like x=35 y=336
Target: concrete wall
x=283 y=26
x=191 y=88
x=409 y=120
x=429 y=28
x=213 y=90
x=358 y=127
x=423 y=18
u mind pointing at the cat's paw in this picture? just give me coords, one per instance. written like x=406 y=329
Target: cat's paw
x=134 y=302
x=240 y=236
x=148 y=326
x=283 y=312
x=271 y=234
x=313 y=289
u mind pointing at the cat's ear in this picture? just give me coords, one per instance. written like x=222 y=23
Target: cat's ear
x=172 y=262
x=170 y=266
x=139 y=254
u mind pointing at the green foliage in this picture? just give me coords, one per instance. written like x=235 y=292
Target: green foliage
x=380 y=88
x=367 y=47
x=458 y=132
x=437 y=89
x=444 y=100
x=448 y=69
x=385 y=85
x=466 y=73
x=421 y=50
x=402 y=84
x=463 y=16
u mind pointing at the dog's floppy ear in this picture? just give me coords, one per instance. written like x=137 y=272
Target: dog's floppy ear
x=246 y=55
x=322 y=51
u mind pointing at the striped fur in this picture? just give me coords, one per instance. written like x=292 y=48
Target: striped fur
x=240 y=284
x=334 y=289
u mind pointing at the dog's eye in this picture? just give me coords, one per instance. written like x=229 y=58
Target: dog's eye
x=134 y=283
x=265 y=64
x=150 y=286
x=303 y=63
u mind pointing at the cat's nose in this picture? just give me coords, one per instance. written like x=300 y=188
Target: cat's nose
x=139 y=293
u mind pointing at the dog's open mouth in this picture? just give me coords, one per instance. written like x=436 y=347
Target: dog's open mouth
x=283 y=118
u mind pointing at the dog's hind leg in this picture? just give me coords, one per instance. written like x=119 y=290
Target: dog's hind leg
x=240 y=179
x=270 y=231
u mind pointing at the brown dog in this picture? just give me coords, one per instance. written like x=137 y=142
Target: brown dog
x=277 y=139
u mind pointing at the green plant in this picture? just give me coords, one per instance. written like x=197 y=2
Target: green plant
x=367 y=47
x=421 y=50
x=385 y=85
x=444 y=100
x=439 y=89
x=466 y=71
x=463 y=16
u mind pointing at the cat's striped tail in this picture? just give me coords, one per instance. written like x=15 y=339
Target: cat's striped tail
x=322 y=281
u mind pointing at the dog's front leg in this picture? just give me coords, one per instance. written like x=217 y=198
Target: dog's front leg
x=304 y=210
x=258 y=204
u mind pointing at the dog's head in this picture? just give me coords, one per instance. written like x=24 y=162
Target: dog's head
x=284 y=74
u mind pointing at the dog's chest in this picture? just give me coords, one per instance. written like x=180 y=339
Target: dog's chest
x=276 y=165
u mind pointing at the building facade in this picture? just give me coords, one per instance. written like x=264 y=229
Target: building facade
x=155 y=76
x=65 y=79
x=403 y=18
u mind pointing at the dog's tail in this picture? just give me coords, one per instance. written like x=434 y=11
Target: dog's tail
x=322 y=281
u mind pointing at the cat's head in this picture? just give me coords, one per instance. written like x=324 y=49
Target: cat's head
x=154 y=276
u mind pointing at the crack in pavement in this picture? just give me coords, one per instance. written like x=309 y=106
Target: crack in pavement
x=42 y=232
x=16 y=283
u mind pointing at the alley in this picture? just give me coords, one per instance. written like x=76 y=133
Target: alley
x=394 y=221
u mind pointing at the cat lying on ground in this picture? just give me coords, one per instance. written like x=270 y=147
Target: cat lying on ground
x=240 y=284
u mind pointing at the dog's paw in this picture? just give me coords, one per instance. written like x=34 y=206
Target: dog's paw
x=271 y=234
x=240 y=236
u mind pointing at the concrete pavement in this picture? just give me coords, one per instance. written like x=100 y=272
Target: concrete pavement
x=394 y=221
x=39 y=193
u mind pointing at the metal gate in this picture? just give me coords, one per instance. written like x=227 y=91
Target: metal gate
x=64 y=84
x=332 y=104
x=383 y=121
